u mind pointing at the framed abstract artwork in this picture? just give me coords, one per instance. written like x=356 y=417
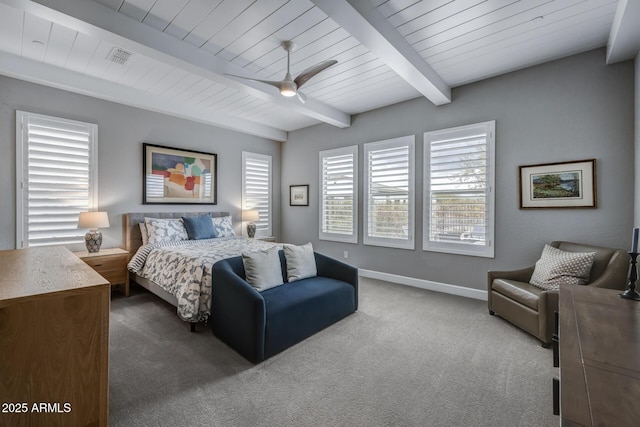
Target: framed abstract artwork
x=177 y=176
x=558 y=185
x=299 y=195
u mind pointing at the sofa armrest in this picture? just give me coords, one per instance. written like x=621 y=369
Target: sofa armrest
x=238 y=313
x=616 y=274
x=521 y=275
x=547 y=306
x=334 y=269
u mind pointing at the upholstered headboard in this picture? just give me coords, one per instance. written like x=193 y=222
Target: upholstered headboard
x=133 y=238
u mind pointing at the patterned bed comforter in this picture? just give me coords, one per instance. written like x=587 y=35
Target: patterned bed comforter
x=184 y=269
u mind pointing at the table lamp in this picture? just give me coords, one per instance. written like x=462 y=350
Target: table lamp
x=93 y=221
x=250 y=216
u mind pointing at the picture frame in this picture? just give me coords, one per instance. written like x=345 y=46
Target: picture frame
x=558 y=185
x=299 y=195
x=178 y=176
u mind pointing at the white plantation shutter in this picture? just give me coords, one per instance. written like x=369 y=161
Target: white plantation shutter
x=56 y=178
x=389 y=185
x=256 y=190
x=339 y=194
x=458 y=190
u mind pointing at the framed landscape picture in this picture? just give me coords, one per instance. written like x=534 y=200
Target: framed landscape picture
x=558 y=185
x=299 y=195
x=176 y=176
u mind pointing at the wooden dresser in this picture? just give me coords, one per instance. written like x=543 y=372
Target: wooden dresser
x=54 y=340
x=599 y=358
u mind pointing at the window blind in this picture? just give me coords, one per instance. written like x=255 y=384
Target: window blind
x=458 y=189
x=256 y=189
x=338 y=195
x=57 y=178
x=389 y=182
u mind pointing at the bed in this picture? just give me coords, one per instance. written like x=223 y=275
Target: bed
x=179 y=272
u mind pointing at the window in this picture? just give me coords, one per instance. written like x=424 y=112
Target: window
x=389 y=186
x=339 y=194
x=256 y=190
x=459 y=201
x=56 y=176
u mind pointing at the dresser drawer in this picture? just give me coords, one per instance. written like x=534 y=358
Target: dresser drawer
x=106 y=263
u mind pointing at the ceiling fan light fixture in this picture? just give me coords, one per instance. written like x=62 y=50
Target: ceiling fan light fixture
x=288 y=88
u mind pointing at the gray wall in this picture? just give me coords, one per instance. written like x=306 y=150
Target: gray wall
x=570 y=109
x=121 y=131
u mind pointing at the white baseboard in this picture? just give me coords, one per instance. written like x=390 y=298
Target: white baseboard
x=425 y=284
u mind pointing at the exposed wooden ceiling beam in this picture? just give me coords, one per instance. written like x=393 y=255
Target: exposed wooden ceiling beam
x=72 y=81
x=364 y=22
x=624 y=39
x=97 y=20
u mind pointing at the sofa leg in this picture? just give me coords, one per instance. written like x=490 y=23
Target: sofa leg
x=193 y=327
x=546 y=344
x=492 y=313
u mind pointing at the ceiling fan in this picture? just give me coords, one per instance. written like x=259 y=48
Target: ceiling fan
x=290 y=86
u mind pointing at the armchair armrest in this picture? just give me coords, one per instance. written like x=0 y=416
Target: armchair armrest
x=334 y=269
x=547 y=305
x=521 y=275
x=616 y=274
x=238 y=313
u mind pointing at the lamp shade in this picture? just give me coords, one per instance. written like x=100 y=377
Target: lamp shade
x=93 y=220
x=251 y=215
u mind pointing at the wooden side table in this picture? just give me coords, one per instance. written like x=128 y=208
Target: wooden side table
x=110 y=264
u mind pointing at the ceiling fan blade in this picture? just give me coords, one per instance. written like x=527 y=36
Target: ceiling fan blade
x=276 y=83
x=301 y=96
x=312 y=71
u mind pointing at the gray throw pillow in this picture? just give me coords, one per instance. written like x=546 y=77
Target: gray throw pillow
x=262 y=269
x=301 y=262
x=556 y=267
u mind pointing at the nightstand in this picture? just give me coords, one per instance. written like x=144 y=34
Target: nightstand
x=110 y=264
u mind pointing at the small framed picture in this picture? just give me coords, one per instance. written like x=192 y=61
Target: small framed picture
x=558 y=185
x=299 y=195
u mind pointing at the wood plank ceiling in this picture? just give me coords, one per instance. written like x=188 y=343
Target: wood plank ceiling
x=182 y=49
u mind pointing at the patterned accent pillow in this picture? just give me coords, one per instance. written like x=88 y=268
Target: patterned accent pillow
x=143 y=233
x=223 y=226
x=161 y=230
x=557 y=267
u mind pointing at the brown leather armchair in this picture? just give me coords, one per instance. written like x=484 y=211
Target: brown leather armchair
x=530 y=308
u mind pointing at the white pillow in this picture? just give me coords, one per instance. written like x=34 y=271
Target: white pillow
x=262 y=269
x=161 y=230
x=301 y=262
x=556 y=267
x=143 y=233
x=223 y=226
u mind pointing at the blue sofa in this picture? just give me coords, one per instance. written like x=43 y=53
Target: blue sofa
x=259 y=325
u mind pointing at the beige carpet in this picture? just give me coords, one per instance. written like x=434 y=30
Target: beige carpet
x=408 y=357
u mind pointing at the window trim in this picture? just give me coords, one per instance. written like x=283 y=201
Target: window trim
x=336 y=237
x=269 y=159
x=487 y=251
x=409 y=243
x=22 y=194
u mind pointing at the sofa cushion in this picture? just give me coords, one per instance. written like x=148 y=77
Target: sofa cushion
x=263 y=269
x=556 y=267
x=298 y=310
x=301 y=262
x=522 y=292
